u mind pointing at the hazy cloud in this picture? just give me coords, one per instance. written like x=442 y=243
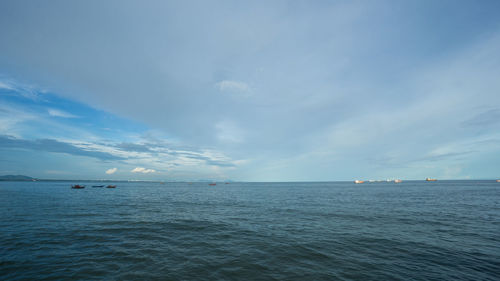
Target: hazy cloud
x=487 y=118
x=51 y=145
x=233 y=86
x=445 y=156
x=60 y=113
x=228 y=131
x=6 y=86
x=127 y=146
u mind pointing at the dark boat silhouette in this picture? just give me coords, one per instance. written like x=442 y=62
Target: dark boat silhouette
x=111 y=186
x=77 y=186
x=212 y=184
x=98 y=186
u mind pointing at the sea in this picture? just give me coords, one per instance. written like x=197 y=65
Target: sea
x=414 y=230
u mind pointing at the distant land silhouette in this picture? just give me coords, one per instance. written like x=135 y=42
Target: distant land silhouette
x=16 y=178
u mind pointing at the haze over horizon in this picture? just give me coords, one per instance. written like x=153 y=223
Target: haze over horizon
x=257 y=91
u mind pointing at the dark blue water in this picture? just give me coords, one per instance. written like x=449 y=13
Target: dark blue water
x=446 y=230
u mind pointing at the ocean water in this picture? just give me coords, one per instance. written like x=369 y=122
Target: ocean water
x=445 y=230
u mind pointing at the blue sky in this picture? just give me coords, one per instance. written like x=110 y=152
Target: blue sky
x=257 y=91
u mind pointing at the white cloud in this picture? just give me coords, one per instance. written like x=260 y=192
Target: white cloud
x=111 y=171
x=143 y=170
x=60 y=113
x=233 y=86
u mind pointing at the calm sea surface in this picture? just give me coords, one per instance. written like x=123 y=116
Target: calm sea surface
x=445 y=230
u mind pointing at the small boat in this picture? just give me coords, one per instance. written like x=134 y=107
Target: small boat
x=429 y=179
x=77 y=186
x=226 y=183
x=398 y=181
x=111 y=186
x=98 y=186
x=498 y=180
x=358 y=181
x=212 y=184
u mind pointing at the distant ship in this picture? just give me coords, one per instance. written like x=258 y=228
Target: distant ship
x=498 y=180
x=429 y=179
x=358 y=181
x=398 y=181
x=212 y=184
x=111 y=186
x=77 y=186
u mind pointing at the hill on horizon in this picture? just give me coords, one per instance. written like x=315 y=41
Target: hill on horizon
x=16 y=178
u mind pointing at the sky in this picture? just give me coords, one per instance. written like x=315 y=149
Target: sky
x=250 y=90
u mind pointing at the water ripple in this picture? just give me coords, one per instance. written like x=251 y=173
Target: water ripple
x=316 y=231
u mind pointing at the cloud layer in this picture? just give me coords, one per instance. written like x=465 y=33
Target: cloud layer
x=262 y=91
x=72 y=147
x=51 y=145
